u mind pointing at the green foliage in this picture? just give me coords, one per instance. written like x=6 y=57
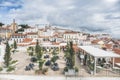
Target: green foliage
x=76 y=69
x=15 y=45
x=66 y=69
x=54 y=59
x=69 y=54
x=10 y=68
x=14 y=61
x=30 y=50
x=54 y=52
x=41 y=62
x=7 y=56
x=1 y=24
x=38 y=51
x=24 y=25
x=1 y=68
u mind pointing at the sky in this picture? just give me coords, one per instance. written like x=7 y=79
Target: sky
x=86 y=15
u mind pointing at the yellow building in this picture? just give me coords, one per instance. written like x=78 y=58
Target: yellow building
x=14 y=26
x=5 y=32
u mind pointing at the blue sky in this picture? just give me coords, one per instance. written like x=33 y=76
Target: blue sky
x=90 y=15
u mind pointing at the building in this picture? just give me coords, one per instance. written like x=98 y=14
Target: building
x=14 y=26
x=18 y=37
x=32 y=35
x=5 y=32
x=31 y=30
x=71 y=36
x=2 y=52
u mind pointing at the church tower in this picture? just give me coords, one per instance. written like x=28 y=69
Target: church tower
x=14 y=26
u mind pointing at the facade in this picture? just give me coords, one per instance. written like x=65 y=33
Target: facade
x=5 y=32
x=14 y=26
x=31 y=30
x=18 y=37
x=32 y=35
x=71 y=36
x=2 y=52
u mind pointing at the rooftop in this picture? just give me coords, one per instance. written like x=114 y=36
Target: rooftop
x=96 y=52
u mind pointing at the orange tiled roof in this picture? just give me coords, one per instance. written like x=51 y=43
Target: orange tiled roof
x=116 y=50
x=95 y=41
x=108 y=46
x=19 y=34
x=33 y=43
x=70 y=32
x=54 y=43
x=4 y=28
x=32 y=33
x=26 y=40
x=22 y=44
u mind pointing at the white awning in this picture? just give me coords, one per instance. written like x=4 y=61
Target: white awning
x=96 y=52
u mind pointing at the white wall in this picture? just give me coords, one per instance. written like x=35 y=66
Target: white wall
x=2 y=52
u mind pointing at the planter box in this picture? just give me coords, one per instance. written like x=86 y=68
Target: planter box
x=71 y=72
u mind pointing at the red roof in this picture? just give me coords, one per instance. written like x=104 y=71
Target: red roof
x=116 y=50
x=108 y=46
x=54 y=43
x=70 y=32
x=32 y=33
x=95 y=41
x=19 y=34
x=33 y=43
x=26 y=40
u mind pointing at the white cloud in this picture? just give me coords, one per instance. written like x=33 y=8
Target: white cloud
x=93 y=13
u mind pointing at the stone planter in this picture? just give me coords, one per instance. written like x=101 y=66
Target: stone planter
x=71 y=72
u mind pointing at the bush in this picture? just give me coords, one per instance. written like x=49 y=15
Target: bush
x=10 y=69
x=76 y=69
x=66 y=69
x=33 y=59
x=1 y=68
x=13 y=62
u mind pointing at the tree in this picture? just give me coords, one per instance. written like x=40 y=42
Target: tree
x=15 y=45
x=69 y=54
x=30 y=51
x=1 y=24
x=54 y=59
x=41 y=62
x=7 y=56
x=38 y=51
x=24 y=25
x=71 y=51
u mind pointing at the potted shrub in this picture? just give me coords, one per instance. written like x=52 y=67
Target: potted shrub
x=66 y=69
x=76 y=69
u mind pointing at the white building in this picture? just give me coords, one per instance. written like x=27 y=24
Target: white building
x=71 y=36
x=18 y=37
x=31 y=29
x=2 y=52
x=32 y=35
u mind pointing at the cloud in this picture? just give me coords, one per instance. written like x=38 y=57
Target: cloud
x=95 y=15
